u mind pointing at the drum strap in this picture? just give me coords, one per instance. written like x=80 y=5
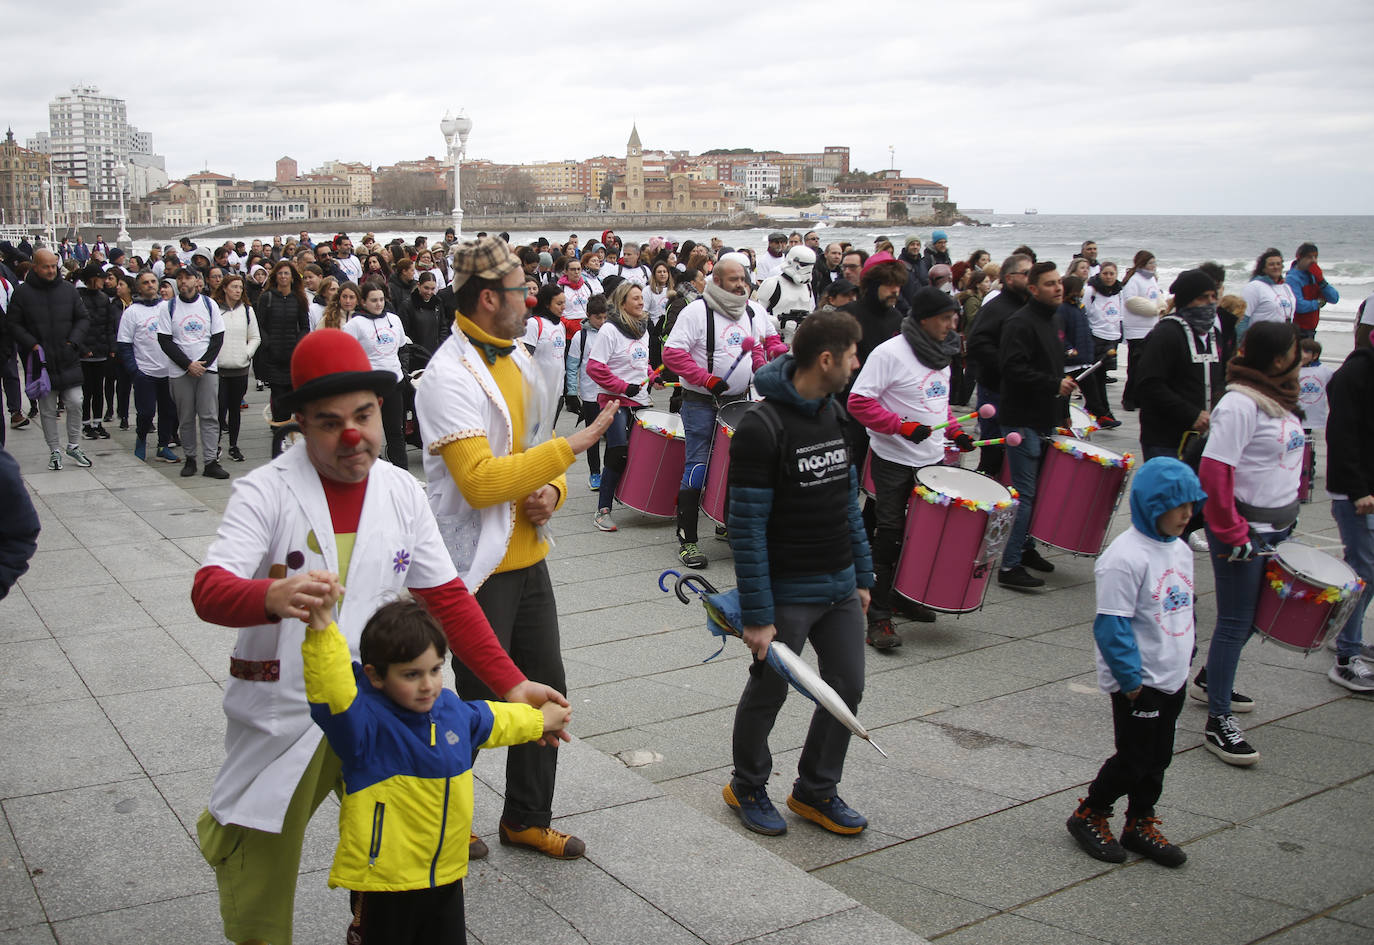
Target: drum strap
x=1280 y=517
x=711 y=333
x=1206 y=357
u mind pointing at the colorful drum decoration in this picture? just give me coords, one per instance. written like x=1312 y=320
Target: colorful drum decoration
x=1077 y=493
x=957 y=524
x=1306 y=596
x=718 y=466
x=1081 y=423
x=653 y=471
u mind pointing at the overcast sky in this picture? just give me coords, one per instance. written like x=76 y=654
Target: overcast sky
x=1064 y=106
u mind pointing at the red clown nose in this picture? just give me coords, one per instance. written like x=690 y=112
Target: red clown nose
x=350 y=437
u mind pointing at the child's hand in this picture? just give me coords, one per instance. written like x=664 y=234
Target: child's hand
x=556 y=717
x=322 y=613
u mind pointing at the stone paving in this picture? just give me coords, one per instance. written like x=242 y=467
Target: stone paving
x=109 y=711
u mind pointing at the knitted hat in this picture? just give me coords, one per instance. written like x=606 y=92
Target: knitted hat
x=875 y=259
x=938 y=235
x=328 y=362
x=930 y=301
x=487 y=258
x=1189 y=285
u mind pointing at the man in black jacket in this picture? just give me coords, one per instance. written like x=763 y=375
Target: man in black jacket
x=1350 y=482
x=984 y=342
x=1031 y=360
x=46 y=312
x=1179 y=377
x=97 y=349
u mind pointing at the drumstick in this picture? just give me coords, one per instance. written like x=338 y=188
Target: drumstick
x=746 y=346
x=1090 y=369
x=1011 y=439
x=987 y=411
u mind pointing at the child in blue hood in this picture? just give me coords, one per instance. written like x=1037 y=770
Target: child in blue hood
x=1144 y=634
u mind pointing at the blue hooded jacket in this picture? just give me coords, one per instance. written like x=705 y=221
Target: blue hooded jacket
x=1160 y=485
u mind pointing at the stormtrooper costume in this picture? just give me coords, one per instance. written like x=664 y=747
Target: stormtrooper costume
x=787 y=295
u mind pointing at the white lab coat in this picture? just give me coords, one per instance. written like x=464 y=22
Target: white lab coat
x=273 y=513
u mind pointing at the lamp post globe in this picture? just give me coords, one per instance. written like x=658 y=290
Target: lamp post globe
x=459 y=128
x=122 y=239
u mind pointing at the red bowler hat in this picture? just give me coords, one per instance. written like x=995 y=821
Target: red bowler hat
x=328 y=362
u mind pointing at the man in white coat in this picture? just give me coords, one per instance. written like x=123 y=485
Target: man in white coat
x=324 y=506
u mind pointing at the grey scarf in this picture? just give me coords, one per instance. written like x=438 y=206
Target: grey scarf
x=927 y=350
x=727 y=303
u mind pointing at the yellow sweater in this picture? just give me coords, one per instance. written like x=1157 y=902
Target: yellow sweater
x=485 y=479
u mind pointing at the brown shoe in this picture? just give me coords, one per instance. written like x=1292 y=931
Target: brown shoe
x=477 y=848
x=881 y=636
x=546 y=840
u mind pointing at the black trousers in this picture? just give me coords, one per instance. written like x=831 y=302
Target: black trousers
x=408 y=917
x=1135 y=348
x=1144 y=732
x=93 y=375
x=587 y=414
x=231 y=391
x=893 y=483
x=521 y=609
x=394 y=424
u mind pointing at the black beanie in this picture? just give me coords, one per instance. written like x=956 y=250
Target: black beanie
x=1189 y=285
x=930 y=301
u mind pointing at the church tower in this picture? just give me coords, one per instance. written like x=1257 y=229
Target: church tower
x=634 y=173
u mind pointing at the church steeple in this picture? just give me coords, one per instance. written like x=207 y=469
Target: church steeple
x=633 y=146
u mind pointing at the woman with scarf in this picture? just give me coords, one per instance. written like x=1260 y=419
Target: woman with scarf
x=327 y=292
x=1140 y=283
x=576 y=291
x=1250 y=470
x=1267 y=297
x=384 y=339
x=241 y=341
x=619 y=364
x=547 y=342
x=1180 y=377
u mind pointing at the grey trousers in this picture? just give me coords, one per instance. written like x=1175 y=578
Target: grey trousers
x=836 y=631
x=47 y=416
x=197 y=398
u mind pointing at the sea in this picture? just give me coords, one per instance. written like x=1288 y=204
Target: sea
x=1179 y=242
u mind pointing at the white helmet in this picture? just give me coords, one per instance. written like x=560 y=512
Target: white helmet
x=798 y=264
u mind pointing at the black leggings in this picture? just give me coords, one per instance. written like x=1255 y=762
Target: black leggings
x=394 y=425
x=231 y=391
x=93 y=389
x=589 y=413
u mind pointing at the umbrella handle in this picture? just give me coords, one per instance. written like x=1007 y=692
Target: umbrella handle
x=698 y=585
x=663 y=580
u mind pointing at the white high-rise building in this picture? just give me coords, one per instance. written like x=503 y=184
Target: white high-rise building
x=89 y=135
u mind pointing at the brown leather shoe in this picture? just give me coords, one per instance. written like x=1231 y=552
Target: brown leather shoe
x=477 y=848
x=546 y=840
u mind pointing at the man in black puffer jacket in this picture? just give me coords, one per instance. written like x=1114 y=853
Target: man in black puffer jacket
x=97 y=349
x=984 y=343
x=47 y=312
x=803 y=566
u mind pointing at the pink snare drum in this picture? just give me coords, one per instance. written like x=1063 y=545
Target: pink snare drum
x=718 y=466
x=957 y=524
x=1306 y=596
x=653 y=471
x=1081 y=424
x=1077 y=493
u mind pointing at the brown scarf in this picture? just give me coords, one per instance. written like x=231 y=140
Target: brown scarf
x=1282 y=389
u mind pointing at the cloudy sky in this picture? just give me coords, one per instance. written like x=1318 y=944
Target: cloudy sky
x=1065 y=106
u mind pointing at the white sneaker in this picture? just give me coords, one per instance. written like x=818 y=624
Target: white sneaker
x=1198 y=542
x=1354 y=675
x=603 y=522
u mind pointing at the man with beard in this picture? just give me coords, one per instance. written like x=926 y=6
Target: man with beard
x=707 y=349
x=1180 y=377
x=984 y=342
x=827 y=270
x=900 y=395
x=772 y=261
x=1031 y=361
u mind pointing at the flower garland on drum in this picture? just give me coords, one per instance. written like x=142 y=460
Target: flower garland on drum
x=1327 y=595
x=939 y=498
x=1125 y=461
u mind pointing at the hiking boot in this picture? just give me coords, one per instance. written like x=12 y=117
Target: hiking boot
x=1142 y=836
x=189 y=468
x=141 y=449
x=722 y=533
x=1354 y=674
x=691 y=555
x=1108 y=422
x=755 y=811
x=545 y=840
x=214 y=470
x=1018 y=579
x=912 y=610
x=18 y=421
x=594 y=482
x=1031 y=558
x=1240 y=702
x=55 y=460
x=75 y=453
x=1092 y=830
x=602 y=521
x=881 y=636
x=236 y=454
x=1223 y=738
x=167 y=455
x=832 y=813
x=477 y=847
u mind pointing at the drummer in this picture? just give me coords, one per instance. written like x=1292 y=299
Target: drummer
x=706 y=341
x=1250 y=470
x=618 y=362
x=901 y=393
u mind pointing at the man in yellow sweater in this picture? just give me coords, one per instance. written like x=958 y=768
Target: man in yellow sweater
x=495 y=477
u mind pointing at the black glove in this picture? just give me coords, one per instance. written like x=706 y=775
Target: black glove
x=965 y=443
x=716 y=386
x=631 y=390
x=573 y=404
x=915 y=432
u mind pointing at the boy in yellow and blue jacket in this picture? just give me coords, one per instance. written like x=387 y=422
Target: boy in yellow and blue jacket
x=407 y=746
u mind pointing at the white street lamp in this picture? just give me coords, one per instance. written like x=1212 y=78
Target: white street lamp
x=47 y=207
x=122 y=239
x=458 y=128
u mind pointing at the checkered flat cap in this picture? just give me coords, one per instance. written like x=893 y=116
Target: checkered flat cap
x=487 y=258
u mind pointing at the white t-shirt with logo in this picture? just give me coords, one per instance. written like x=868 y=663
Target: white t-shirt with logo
x=190 y=324
x=549 y=342
x=382 y=339
x=1312 y=381
x=138 y=327
x=1151 y=583
x=894 y=377
x=1267 y=301
x=1266 y=452
x=1104 y=314
x=626 y=358
x=575 y=301
x=689 y=334
x=1144 y=285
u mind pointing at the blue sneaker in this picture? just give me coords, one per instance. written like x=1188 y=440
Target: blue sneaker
x=594 y=481
x=141 y=449
x=756 y=811
x=832 y=813
x=168 y=455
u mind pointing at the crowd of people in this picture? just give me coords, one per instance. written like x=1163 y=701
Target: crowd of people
x=851 y=363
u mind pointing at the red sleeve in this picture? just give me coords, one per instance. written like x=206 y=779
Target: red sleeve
x=681 y=364
x=602 y=374
x=470 y=635
x=874 y=415
x=222 y=597
x=1219 y=482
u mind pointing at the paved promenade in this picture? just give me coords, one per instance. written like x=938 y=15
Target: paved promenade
x=110 y=718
